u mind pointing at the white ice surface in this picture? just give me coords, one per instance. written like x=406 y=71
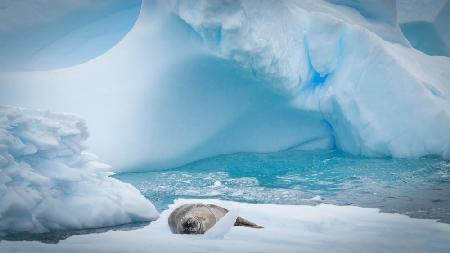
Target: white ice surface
x=49 y=182
x=287 y=228
x=224 y=225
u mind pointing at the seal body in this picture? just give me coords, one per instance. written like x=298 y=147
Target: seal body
x=198 y=218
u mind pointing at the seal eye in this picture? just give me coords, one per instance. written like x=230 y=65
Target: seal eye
x=191 y=226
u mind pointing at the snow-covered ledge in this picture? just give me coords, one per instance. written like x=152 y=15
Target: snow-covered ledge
x=48 y=182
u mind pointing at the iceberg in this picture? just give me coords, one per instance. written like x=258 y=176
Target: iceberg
x=42 y=34
x=193 y=79
x=49 y=182
x=379 y=96
x=426 y=24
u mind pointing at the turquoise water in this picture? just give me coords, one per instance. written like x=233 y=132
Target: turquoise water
x=416 y=187
x=419 y=187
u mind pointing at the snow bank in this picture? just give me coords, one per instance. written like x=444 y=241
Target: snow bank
x=287 y=228
x=48 y=182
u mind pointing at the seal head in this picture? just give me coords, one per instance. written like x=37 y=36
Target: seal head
x=190 y=225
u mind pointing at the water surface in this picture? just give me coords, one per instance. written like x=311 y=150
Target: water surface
x=419 y=187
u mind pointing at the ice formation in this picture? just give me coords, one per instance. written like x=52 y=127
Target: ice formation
x=287 y=228
x=42 y=34
x=426 y=24
x=194 y=79
x=48 y=182
x=380 y=97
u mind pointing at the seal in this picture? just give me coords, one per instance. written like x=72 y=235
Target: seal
x=198 y=218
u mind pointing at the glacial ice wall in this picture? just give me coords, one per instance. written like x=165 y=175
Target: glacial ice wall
x=426 y=24
x=380 y=97
x=49 y=182
x=194 y=79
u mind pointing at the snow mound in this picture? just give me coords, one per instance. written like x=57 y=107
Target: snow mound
x=48 y=182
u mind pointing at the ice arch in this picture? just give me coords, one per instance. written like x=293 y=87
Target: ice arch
x=380 y=97
x=426 y=24
x=49 y=34
x=197 y=78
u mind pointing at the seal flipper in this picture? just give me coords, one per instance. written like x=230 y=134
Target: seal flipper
x=245 y=223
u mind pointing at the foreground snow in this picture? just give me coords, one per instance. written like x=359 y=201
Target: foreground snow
x=288 y=228
x=48 y=182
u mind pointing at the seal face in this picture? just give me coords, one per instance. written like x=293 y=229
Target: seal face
x=190 y=225
x=193 y=218
x=198 y=218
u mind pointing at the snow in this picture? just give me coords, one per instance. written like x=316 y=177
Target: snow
x=224 y=225
x=287 y=228
x=194 y=79
x=49 y=182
